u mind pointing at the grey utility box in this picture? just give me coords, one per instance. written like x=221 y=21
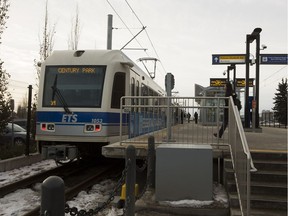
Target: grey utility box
x=184 y=171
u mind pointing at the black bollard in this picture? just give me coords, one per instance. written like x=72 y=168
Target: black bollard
x=130 y=180
x=151 y=163
x=53 y=196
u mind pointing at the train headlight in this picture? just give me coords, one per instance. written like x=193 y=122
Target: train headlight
x=90 y=128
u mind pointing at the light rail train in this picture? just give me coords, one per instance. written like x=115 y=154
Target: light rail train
x=79 y=101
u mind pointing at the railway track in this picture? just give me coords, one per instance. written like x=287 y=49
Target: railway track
x=77 y=177
x=26 y=182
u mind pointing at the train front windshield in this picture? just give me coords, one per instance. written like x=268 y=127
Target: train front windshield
x=73 y=86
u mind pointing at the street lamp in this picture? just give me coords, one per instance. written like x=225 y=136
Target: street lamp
x=232 y=67
x=255 y=35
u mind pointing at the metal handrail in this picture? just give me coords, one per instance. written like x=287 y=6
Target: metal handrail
x=240 y=153
x=241 y=158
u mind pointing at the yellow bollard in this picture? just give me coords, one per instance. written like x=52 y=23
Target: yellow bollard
x=123 y=191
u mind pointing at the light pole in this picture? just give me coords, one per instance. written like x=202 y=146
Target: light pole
x=255 y=35
x=232 y=67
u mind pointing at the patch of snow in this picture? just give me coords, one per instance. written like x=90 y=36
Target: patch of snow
x=24 y=172
x=219 y=195
x=23 y=200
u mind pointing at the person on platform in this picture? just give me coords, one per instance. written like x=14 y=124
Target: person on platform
x=188 y=116
x=228 y=93
x=196 y=117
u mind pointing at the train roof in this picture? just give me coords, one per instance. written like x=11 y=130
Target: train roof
x=62 y=57
x=95 y=57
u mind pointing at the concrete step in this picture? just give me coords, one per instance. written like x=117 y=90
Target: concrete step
x=273 y=188
x=269 y=155
x=268 y=185
x=271 y=202
x=273 y=176
x=259 y=212
x=269 y=176
x=270 y=165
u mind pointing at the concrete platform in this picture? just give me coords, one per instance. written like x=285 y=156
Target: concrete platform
x=270 y=139
x=187 y=133
x=117 y=150
x=17 y=162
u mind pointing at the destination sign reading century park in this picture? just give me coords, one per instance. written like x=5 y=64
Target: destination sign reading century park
x=71 y=70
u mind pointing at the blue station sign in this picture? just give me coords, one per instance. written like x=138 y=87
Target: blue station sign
x=274 y=59
x=228 y=59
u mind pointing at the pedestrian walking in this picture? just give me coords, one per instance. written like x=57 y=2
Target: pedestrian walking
x=196 y=117
x=188 y=116
x=228 y=93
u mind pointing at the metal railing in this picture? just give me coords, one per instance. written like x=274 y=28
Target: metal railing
x=167 y=119
x=241 y=158
x=150 y=117
x=268 y=119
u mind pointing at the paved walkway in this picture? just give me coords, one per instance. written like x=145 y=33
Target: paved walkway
x=271 y=139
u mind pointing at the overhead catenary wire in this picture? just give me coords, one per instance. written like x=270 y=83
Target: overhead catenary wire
x=153 y=47
x=123 y=22
x=143 y=27
x=264 y=81
x=275 y=73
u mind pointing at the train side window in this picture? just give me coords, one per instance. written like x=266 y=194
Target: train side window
x=137 y=88
x=118 y=89
x=133 y=92
x=137 y=93
x=132 y=86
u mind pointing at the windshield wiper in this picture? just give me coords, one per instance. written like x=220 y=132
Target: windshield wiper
x=57 y=92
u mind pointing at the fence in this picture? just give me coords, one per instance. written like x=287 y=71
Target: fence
x=167 y=119
x=241 y=158
x=268 y=119
x=171 y=119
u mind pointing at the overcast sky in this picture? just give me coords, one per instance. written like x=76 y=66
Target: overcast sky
x=184 y=33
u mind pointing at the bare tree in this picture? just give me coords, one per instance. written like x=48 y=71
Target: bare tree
x=74 y=36
x=46 y=46
x=22 y=108
x=5 y=96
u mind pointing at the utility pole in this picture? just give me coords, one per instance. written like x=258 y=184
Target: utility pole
x=169 y=85
x=109 y=32
x=255 y=35
x=28 y=120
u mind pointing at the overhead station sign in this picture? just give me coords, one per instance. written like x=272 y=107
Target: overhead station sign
x=220 y=82
x=228 y=59
x=217 y=82
x=241 y=82
x=274 y=59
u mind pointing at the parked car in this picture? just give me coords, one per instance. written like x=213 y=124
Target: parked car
x=19 y=135
x=21 y=122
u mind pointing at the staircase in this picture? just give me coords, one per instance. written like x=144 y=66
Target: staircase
x=268 y=185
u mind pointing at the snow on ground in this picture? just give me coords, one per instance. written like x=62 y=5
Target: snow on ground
x=23 y=172
x=219 y=195
x=22 y=200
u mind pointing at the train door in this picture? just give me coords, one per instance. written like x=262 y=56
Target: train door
x=134 y=115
